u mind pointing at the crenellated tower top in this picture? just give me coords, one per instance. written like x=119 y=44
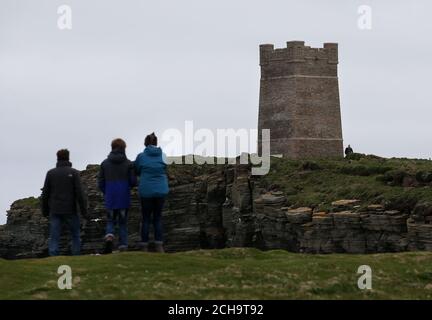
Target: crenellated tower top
x=296 y=51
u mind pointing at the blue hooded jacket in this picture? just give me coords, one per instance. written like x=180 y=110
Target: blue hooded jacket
x=151 y=169
x=116 y=179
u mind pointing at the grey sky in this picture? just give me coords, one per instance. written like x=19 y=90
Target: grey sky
x=128 y=68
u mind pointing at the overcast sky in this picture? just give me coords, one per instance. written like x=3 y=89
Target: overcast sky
x=128 y=68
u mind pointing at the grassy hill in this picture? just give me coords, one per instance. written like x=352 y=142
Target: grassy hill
x=220 y=274
x=395 y=183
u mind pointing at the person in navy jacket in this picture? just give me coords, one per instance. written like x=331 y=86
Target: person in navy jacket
x=150 y=166
x=116 y=179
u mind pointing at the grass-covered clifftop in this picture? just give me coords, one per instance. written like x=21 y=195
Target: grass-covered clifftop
x=395 y=183
x=220 y=274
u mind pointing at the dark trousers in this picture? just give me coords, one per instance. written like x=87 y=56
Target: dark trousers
x=152 y=207
x=118 y=217
x=56 y=222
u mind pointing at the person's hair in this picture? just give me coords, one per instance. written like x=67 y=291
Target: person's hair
x=63 y=155
x=151 y=139
x=118 y=144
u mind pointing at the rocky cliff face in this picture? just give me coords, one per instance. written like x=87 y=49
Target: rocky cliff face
x=219 y=206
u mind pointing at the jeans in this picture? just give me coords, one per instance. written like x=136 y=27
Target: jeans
x=120 y=217
x=73 y=223
x=151 y=206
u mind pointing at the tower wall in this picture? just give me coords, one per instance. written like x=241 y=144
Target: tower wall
x=299 y=100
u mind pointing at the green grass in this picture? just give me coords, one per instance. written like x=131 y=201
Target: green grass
x=28 y=202
x=220 y=274
x=370 y=179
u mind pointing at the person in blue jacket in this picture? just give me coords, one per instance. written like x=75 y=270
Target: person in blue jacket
x=150 y=166
x=116 y=179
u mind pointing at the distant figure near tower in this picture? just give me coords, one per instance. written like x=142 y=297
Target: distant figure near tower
x=299 y=100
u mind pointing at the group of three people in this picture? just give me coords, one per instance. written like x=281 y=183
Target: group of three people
x=62 y=194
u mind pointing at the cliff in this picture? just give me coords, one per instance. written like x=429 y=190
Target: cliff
x=296 y=207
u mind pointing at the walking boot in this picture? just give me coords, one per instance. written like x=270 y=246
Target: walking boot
x=108 y=244
x=144 y=246
x=159 y=247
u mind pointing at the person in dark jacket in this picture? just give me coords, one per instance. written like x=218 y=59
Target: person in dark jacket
x=348 y=150
x=116 y=179
x=150 y=166
x=61 y=193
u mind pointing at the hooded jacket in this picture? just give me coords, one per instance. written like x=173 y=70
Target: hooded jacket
x=116 y=179
x=151 y=168
x=62 y=191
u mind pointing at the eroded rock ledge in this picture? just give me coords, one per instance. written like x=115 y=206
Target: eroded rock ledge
x=223 y=206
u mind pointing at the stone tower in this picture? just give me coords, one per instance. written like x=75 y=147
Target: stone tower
x=299 y=100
